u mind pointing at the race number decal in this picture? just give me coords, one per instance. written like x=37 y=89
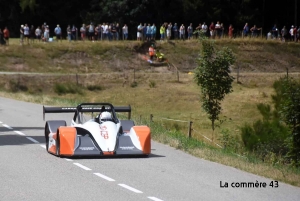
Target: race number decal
x=104 y=134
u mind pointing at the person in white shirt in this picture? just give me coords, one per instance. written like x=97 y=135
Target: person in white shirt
x=125 y=32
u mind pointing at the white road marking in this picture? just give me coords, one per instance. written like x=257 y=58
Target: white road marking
x=19 y=132
x=43 y=146
x=104 y=177
x=32 y=140
x=7 y=126
x=67 y=159
x=82 y=166
x=155 y=199
x=130 y=188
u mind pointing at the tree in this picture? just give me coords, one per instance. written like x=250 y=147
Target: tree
x=213 y=76
x=289 y=109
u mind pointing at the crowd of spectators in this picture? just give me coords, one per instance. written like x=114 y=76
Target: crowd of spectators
x=145 y=32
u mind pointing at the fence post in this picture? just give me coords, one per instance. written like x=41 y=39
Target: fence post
x=190 y=129
x=238 y=74
x=151 y=117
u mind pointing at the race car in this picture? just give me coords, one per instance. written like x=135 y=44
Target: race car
x=95 y=130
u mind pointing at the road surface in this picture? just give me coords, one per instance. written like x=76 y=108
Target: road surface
x=28 y=172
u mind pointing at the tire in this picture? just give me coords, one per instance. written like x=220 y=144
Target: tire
x=47 y=137
x=57 y=145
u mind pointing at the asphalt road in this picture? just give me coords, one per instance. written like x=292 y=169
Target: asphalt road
x=28 y=172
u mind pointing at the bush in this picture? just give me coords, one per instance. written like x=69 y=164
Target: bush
x=152 y=84
x=265 y=137
x=17 y=86
x=94 y=88
x=228 y=141
x=67 y=88
x=134 y=84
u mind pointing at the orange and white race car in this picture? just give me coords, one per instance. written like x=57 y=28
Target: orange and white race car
x=103 y=134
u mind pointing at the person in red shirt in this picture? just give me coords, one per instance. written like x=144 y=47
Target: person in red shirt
x=230 y=31
x=6 y=35
x=212 y=30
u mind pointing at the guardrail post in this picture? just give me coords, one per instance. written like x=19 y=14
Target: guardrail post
x=190 y=129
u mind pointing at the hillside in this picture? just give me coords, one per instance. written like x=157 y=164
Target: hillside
x=99 y=57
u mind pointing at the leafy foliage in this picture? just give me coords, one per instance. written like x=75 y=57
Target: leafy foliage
x=265 y=136
x=289 y=110
x=213 y=75
x=279 y=131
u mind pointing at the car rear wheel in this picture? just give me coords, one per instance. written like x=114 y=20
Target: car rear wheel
x=57 y=145
x=47 y=137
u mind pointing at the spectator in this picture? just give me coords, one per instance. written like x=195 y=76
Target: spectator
x=204 y=28
x=291 y=32
x=113 y=32
x=83 y=32
x=169 y=30
x=46 y=34
x=254 y=31
x=32 y=34
x=26 y=33
x=212 y=30
x=190 y=31
x=125 y=32
x=198 y=30
x=105 y=31
x=6 y=35
x=148 y=32
x=74 y=32
x=175 y=31
x=153 y=28
x=284 y=33
x=298 y=34
x=91 y=28
x=221 y=30
x=269 y=35
x=57 y=32
x=144 y=37
x=118 y=28
x=22 y=34
x=295 y=33
x=246 y=30
x=2 y=41
x=182 y=32
x=69 y=33
x=230 y=31
x=38 y=33
x=218 y=29
x=162 y=31
x=274 y=32
x=139 y=32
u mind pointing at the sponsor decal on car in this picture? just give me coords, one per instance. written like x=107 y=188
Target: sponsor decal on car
x=87 y=148
x=127 y=148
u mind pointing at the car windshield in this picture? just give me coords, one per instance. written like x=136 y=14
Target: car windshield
x=92 y=112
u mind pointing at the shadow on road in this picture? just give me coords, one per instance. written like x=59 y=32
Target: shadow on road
x=14 y=139
x=4 y=129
